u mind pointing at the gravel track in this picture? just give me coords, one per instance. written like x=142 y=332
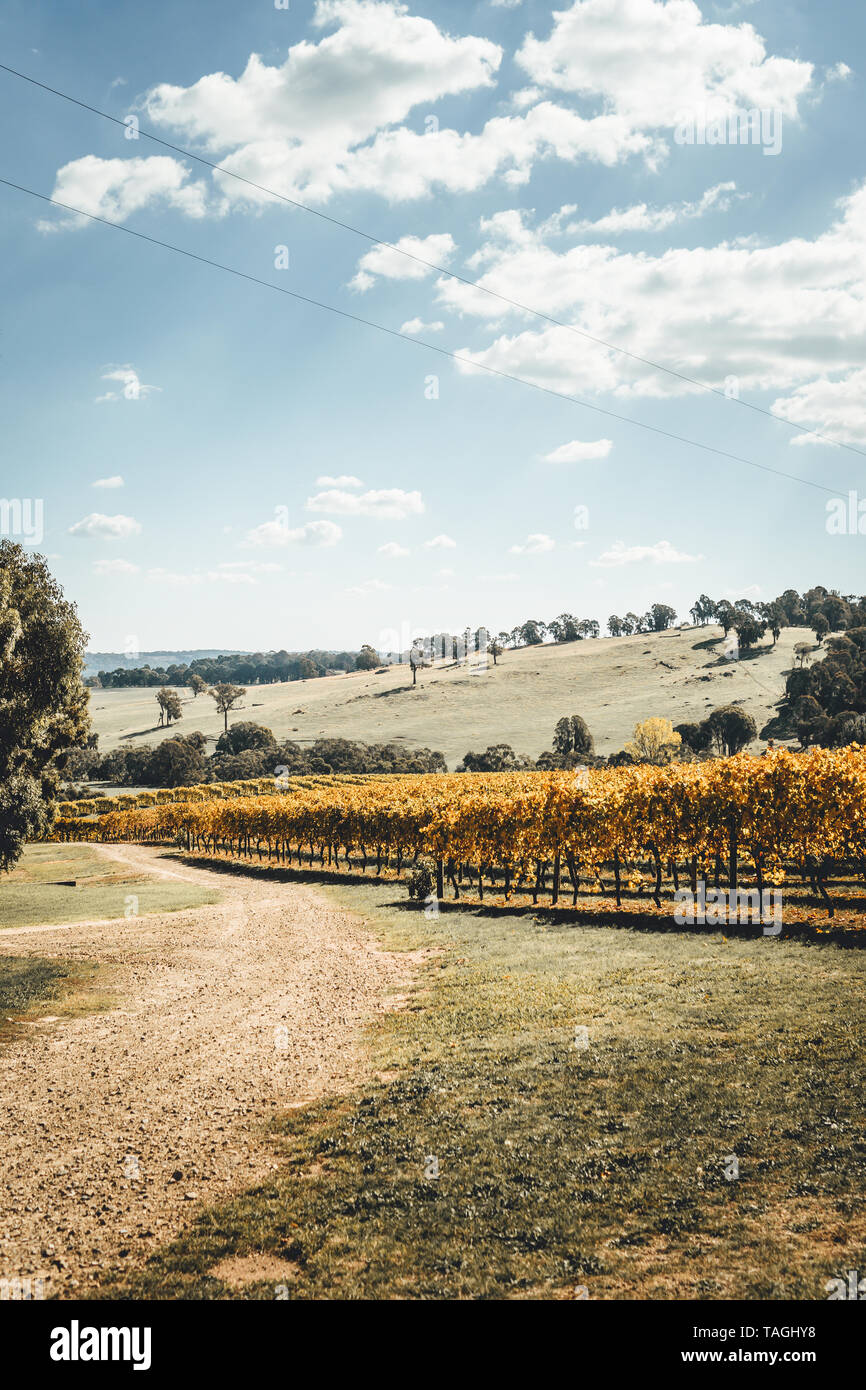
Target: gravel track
x=116 y=1126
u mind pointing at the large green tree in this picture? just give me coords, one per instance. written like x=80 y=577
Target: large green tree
x=749 y=631
x=367 y=658
x=730 y=729
x=662 y=616
x=246 y=734
x=572 y=735
x=43 y=704
x=178 y=762
x=170 y=707
x=499 y=757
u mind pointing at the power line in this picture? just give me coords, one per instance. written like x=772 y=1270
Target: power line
x=431 y=265
x=419 y=342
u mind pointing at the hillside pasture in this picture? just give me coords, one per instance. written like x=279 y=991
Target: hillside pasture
x=613 y=682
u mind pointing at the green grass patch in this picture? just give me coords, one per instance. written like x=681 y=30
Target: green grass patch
x=34 y=892
x=608 y=1168
x=32 y=985
x=28 y=980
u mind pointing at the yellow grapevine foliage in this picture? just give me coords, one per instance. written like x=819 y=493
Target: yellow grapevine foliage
x=777 y=809
x=206 y=791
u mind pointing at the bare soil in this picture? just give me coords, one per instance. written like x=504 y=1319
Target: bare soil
x=116 y=1127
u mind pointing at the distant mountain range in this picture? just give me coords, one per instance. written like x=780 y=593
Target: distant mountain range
x=94 y=662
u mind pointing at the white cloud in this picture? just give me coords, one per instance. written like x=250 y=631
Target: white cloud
x=535 y=544
x=114 y=189
x=344 y=480
x=835 y=407
x=116 y=481
x=389 y=263
x=773 y=317
x=507 y=229
x=378 y=64
x=440 y=542
x=114 y=567
x=275 y=533
x=164 y=576
x=95 y=525
x=324 y=120
x=662 y=553
x=230 y=577
x=134 y=389
x=388 y=504
x=393 y=550
x=217 y=576
x=415 y=326
x=497 y=578
x=331 y=118
x=370 y=586
x=751 y=591
x=578 y=450
x=402 y=165
x=838 y=73
x=611 y=50
x=642 y=218
x=252 y=566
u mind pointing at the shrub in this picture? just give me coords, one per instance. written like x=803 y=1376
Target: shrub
x=420 y=879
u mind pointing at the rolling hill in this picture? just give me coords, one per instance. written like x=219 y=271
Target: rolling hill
x=613 y=682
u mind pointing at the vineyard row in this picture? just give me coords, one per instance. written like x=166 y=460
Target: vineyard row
x=205 y=791
x=767 y=816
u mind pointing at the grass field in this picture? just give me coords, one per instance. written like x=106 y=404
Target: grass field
x=612 y=682
x=612 y=1114
x=34 y=894
x=32 y=985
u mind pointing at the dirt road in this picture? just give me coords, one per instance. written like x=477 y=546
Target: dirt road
x=116 y=1126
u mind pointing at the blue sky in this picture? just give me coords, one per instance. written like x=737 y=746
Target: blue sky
x=543 y=154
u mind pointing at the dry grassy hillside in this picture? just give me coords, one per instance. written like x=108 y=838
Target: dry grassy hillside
x=613 y=682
